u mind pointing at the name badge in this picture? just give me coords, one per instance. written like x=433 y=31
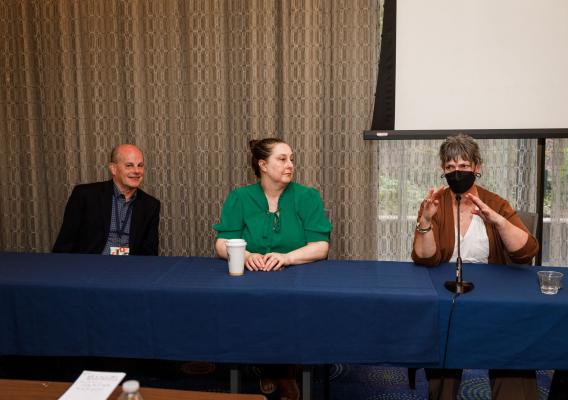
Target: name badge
x=119 y=251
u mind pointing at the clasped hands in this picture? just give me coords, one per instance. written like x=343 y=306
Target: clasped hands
x=432 y=202
x=266 y=262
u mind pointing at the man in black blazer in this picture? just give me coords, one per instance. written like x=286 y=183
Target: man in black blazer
x=112 y=217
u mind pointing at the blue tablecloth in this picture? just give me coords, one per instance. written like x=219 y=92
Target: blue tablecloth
x=191 y=309
x=505 y=322
x=330 y=311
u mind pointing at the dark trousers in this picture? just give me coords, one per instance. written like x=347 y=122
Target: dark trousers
x=444 y=384
x=279 y=371
x=559 y=386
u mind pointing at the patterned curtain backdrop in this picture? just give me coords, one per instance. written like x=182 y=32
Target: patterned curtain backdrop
x=190 y=82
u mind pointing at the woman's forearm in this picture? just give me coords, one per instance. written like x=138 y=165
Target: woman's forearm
x=512 y=236
x=313 y=251
x=424 y=244
x=221 y=248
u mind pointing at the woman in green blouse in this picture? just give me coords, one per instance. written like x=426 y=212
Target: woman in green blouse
x=283 y=222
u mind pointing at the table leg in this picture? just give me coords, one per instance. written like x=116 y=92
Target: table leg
x=307 y=382
x=326 y=381
x=235 y=380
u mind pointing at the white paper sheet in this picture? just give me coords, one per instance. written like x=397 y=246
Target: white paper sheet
x=93 y=385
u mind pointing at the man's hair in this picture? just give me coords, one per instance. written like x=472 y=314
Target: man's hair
x=261 y=150
x=460 y=146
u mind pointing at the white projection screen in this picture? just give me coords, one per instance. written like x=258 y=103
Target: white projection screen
x=481 y=64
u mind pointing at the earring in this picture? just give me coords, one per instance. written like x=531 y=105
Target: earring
x=478 y=174
x=442 y=176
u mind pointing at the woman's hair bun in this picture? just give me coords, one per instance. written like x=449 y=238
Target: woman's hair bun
x=253 y=143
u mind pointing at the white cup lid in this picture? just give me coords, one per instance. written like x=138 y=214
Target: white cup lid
x=236 y=242
x=131 y=386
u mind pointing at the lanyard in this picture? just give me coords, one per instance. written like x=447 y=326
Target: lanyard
x=121 y=225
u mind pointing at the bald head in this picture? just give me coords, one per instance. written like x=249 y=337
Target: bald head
x=127 y=167
x=120 y=149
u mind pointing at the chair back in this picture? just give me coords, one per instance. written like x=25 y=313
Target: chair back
x=530 y=220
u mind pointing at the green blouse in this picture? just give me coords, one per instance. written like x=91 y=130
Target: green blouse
x=300 y=219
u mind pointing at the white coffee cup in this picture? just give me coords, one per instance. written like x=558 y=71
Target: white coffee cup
x=236 y=256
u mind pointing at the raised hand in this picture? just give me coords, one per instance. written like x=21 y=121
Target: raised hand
x=431 y=204
x=484 y=211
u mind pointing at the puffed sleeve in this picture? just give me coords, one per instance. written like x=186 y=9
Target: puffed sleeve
x=316 y=225
x=232 y=221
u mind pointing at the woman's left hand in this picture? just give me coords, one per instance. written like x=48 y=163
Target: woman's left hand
x=275 y=261
x=484 y=211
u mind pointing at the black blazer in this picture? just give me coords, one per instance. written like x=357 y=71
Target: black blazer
x=86 y=222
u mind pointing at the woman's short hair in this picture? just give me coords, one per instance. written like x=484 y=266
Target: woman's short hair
x=460 y=146
x=261 y=150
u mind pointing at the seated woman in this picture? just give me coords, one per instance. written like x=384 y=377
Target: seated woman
x=490 y=230
x=283 y=223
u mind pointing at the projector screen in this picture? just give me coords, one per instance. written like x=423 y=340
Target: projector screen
x=481 y=64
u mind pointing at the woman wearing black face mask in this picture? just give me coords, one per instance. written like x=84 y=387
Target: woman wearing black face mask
x=489 y=226
x=490 y=231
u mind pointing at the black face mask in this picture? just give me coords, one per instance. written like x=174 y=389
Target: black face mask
x=460 y=181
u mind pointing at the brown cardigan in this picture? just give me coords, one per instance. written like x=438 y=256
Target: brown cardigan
x=443 y=229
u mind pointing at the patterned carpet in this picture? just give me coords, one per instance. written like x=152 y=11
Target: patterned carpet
x=353 y=382
x=357 y=382
x=346 y=381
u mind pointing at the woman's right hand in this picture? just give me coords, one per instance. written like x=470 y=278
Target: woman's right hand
x=254 y=261
x=431 y=204
x=424 y=240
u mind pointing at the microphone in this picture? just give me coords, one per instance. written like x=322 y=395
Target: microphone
x=459 y=286
x=460 y=182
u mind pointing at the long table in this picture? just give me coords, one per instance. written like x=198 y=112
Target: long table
x=181 y=308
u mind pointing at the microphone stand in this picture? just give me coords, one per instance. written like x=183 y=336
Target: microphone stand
x=459 y=286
